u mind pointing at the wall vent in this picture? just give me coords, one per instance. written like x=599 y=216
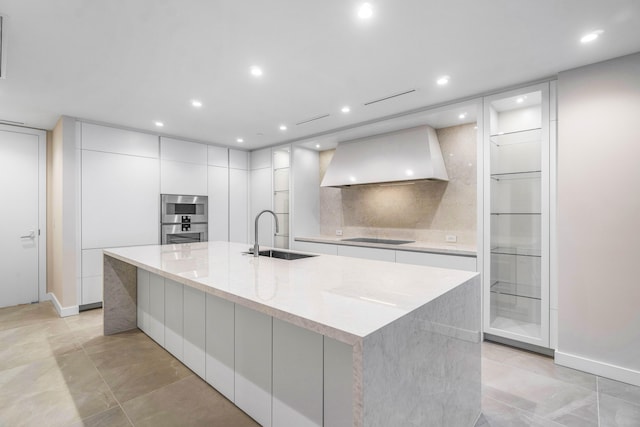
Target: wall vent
x=10 y=122
x=390 y=97
x=313 y=119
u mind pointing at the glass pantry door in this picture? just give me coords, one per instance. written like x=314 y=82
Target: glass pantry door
x=517 y=224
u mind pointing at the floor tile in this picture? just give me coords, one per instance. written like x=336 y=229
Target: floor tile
x=620 y=390
x=498 y=414
x=113 y=417
x=55 y=391
x=188 y=402
x=26 y=314
x=618 y=413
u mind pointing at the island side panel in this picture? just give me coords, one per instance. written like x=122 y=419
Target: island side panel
x=120 y=296
x=424 y=368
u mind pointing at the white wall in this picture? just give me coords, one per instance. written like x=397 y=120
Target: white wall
x=599 y=218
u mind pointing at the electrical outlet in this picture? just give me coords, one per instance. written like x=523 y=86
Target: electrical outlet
x=451 y=238
x=338 y=232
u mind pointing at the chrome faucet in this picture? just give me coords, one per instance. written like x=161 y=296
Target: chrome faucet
x=256 y=248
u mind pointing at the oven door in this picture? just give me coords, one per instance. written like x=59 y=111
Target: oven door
x=178 y=209
x=183 y=233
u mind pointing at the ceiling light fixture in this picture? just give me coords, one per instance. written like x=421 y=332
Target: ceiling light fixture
x=159 y=124
x=256 y=71
x=345 y=109
x=317 y=145
x=462 y=116
x=196 y=103
x=239 y=140
x=443 y=80
x=365 y=11
x=283 y=127
x=587 y=38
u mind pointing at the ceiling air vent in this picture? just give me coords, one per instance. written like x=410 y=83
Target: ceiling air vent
x=3 y=47
x=313 y=119
x=386 y=98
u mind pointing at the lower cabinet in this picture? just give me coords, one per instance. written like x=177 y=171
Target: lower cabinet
x=297 y=376
x=253 y=341
x=455 y=262
x=367 y=253
x=319 y=248
x=278 y=373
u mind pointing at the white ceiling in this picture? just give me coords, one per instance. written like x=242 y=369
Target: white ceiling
x=131 y=63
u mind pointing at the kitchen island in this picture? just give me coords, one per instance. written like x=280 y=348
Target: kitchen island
x=324 y=340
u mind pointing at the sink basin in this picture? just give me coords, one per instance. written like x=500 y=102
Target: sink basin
x=381 y=241
x=290 y=256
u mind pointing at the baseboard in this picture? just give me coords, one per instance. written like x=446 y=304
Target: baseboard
x=62 y=311
x=595 y=367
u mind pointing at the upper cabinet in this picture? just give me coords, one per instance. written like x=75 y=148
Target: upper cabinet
x=516 y=228
x=183 y=167
x=119 y=141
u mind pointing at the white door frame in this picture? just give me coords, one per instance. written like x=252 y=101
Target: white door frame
x=42 y=203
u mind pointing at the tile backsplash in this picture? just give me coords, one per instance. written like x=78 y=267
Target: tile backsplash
x=424 y=211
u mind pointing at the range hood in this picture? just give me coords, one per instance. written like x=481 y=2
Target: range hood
x=408 y=155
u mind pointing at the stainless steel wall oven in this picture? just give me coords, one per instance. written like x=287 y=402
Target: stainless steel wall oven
x=183 y=219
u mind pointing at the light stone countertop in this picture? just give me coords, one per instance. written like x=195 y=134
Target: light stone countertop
x=417 y=246
x=340 y=297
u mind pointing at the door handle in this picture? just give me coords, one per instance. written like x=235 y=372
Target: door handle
x=31 y=235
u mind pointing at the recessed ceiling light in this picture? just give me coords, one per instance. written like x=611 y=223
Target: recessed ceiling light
x=520 y=100
x=365 y=11
x=196 y=103
x=352 y=179
x=587 y=38
x=345 y=109
x=408 y=172
x=317 y=145
x=256 y=71
x=159 y=124
x=283 y=127
x=239 y=140
x=443 y=80
x=462 y=116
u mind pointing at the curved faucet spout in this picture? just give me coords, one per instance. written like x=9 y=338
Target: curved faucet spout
x=256 y=247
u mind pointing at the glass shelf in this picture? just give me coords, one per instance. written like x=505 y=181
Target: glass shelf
x=503 y=250
x=517 y=137
x=516 y=290
x=516 y=213
x=516 y=175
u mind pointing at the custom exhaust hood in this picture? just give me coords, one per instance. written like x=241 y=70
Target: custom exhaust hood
x=407 y=155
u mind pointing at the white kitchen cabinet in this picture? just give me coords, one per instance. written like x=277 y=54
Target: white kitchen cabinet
x=183 y=151
x=338 y=388
x=260 y=159
x=218 y=156
x=91 y=289
x=238 y=205
x=173 y=318
x=253 y=363
x=91 y=276
x=120 y=200
x=143 y=300
x=261 y=199
x=183 y=178
x=193 y=332
x=218 y=203
x=220 y=350
x=120 y=141
x=92 y=262
x=319 y=248
x=155 y=327
x=367 y=253
x=455 y=262
x=297 y=376
x=238 y=159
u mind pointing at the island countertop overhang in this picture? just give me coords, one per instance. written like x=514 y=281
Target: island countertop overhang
x=340 y=297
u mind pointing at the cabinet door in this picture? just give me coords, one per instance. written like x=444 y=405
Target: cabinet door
x=319 y=248
x=437 y=260
x=120 y=200
x=173 y=318
x=183 y=151
x=218 y=203
x=183 y=178
x=220 y=347
x=156 y=308
x=253 y=364
x=218 y=156
x=120 y=141
x=297 y=376
x=261 y=198
x=338 y=380
x=193 y=330
x=143 y=299
x=367 y=253
x=238 y=205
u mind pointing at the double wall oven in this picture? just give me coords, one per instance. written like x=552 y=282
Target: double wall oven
x=183 y=219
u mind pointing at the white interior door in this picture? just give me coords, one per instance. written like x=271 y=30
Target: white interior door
x=19 y=225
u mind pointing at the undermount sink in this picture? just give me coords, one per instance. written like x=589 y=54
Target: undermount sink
x=290 y=256
x=380 y=241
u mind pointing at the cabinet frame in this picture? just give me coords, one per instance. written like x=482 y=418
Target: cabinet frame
x=545 y=192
